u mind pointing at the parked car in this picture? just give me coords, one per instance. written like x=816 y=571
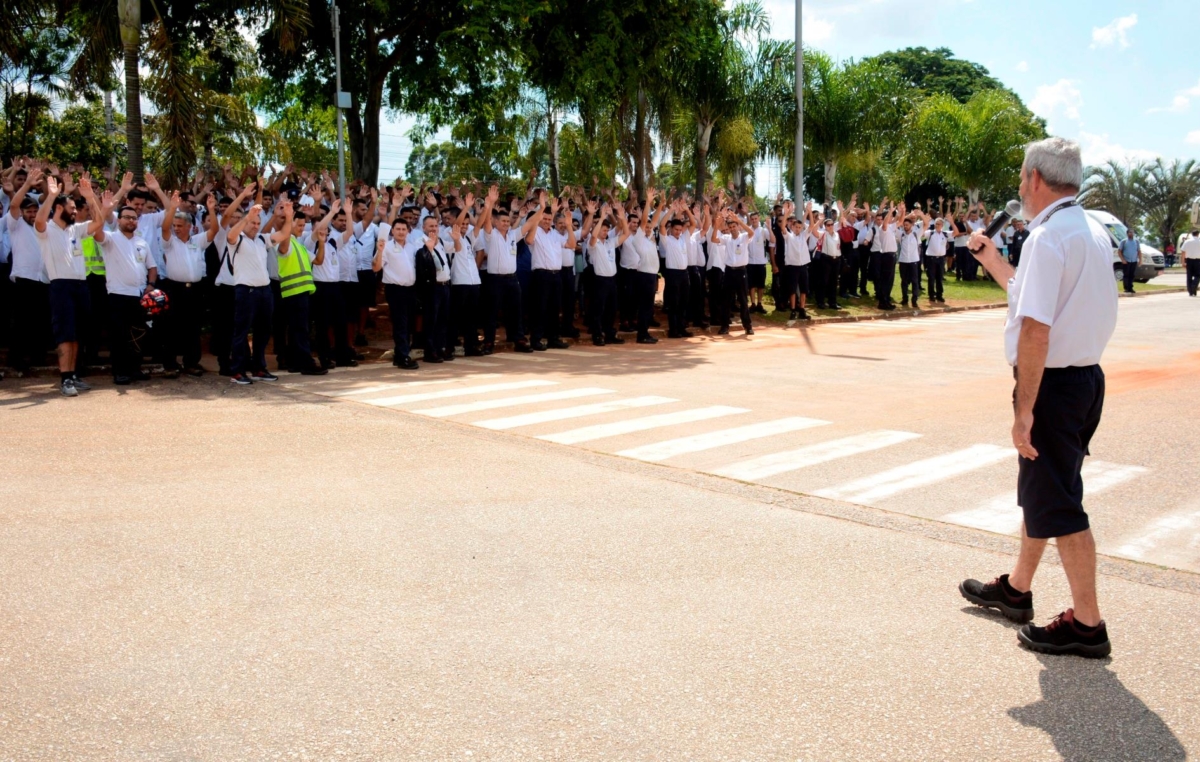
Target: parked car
x=1153 y=262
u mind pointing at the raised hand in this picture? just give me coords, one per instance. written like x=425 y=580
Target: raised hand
x=51 y=187
x=152 y=182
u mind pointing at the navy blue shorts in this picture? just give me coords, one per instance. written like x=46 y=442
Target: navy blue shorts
x=1065 y=416
x=69 y=306
x=756 y=276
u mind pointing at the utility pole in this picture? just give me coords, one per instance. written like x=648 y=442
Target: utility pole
x=343 y=99
x=798 y=179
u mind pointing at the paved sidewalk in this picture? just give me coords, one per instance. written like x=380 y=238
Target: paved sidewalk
x=194 y=573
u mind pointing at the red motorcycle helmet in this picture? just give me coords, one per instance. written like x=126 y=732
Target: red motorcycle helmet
x=155 y=303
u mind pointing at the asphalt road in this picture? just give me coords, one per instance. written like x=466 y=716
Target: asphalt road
x=733 y=548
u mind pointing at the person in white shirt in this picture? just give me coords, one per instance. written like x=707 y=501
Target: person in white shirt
x=30 y=284
x=465 y=283
x=1190 y=251
x=673 y=240
x=1062 y=311
x=130 y=274
x=329 y=301
x=60 y=239
x=253 y=302
x=545 y=245
x=973 y=223
x=715 y=227
x=395 y=258
x=696 y=266
x=937 y=244
x=602 y=242
x=500 y=245
x=433 y=286
x=885 y=239
x=567 y=277
x=796 y=262
x=827 y=264
x=363 y=236
x=761 y=239
x=646 y=272
x=737 y=255
x=182 y=281
x=909 y=260
x=218 y=222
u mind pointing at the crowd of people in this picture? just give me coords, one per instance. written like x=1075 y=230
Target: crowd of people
x=283 y=259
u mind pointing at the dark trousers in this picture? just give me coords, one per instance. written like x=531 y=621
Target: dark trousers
x=279 y=327
x=567 y=300
x=436 y=301
x=864 y=270
x=910 y=272
x=602 y=306
x=96 y=325
x=696 y=295
x=736 y=288
x=718 y=300
x=646 y=286
x=935 y=267
x=296 y=310
x=221 y=340
x=1193 y=275
x=252 y=308
x=966 y=266
x=543 y=306
x=848 y=271
x=465 y=301
x=626 y=300
x=126 y=331
x=1130 y=270
x=675 y=299
x=487 y=308
x=329 y=314
x=506 y=294
x=30 y=323
x=181 y=323
x=400 y=300
x=6 y=302
x=885 y=277
x=824 y=272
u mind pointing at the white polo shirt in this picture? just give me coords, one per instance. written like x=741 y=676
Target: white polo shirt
x=603 y=255
x=758 y=247
x=126 y=262
x=1066 y=282
x=647 y=252
x=184 y=260
x=330 y=269
x=502 y=251
x=737 y=250
x=886 y=238
x=248 y=259
x=717 y=251
x=62 y=250
x=399 y=263
x=935 y=243
x=221 y=241
x=1190 y=248
x=463 y=271
x=675 y=252
x=546 y=249
x=363 y=237
x=568 y=255
x=629 y=254
x=695 y=249
x=26 y=251
x=795 y=249
x=910 y=248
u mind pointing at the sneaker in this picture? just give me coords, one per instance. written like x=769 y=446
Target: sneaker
x=81 y=386
x=67 y=387
x=795 y=315
x=1066 y=636
x=804 y=314
x=241 y=379
x=265 y=375
x=835 y=306
x=999 y=595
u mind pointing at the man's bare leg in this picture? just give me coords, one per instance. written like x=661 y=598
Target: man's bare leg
x=1032 y=549
x=1078 y=554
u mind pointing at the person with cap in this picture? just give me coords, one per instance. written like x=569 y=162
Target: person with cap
x=59 y=238
x=1062 y=311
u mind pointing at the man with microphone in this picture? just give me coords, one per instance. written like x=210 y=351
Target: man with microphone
x=1062 y=309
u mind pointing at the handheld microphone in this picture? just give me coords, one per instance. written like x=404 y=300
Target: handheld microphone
x=1010 y=210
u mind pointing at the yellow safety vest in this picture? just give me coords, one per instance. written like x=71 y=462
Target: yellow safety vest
x=92 y=258
x=295 y=271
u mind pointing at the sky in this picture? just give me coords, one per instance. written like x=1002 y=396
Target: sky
x=1121 y=77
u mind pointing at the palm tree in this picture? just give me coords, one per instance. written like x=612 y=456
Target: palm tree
x=1117 y=189
x=977 y=145
x=1167 y=193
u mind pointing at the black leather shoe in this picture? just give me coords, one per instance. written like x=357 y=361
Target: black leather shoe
x=406 y=363
x=538 y=346
x=1066 y=636
x=614 y=340
x=523 y=347
x=999 y=595
x=647 y=340
x=558 y=344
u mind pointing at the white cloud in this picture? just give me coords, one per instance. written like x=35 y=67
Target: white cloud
x=816 y=29
x=1062 y=95
x=1180 y=103
x=1192 y=92
x=1114 y=33
x=1098 y=149
x=1023 y=66
x=1193 y=138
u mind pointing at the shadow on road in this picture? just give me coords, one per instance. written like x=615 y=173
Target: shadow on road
x=1090 y=715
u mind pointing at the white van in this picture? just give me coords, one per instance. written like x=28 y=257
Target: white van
x=1153 y=262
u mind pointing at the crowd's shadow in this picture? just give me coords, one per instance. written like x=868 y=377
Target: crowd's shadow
x=1090 y=715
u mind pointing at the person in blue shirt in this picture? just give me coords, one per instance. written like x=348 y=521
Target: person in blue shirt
x=1130 y=252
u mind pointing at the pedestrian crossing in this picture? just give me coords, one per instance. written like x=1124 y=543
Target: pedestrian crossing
x=794 y=453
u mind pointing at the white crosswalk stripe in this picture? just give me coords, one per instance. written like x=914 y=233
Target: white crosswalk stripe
x=709 y=440
x=1002 y=515
x=757 y=469
x=506 y=386
x=565 y=413
x=528 y=399
x=1169 y=527
x=404 y=385
x=645 y=423
x=885 y=484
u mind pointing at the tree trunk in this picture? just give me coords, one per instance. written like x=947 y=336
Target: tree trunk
x=552 y=145
x=130 y=15
x=362 y=134
x=644 y=152
x=703 y=135
x=973 y=195
x=639 y=137
x=110 y=130
x=830 y=179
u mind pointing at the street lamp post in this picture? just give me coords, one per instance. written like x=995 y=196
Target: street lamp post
x=798 y=178
x=343 y=99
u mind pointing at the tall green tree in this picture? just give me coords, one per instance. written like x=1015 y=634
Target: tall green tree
x=1117 y=189
x=1167 y=193
x=977 y=146
x=938 y=71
